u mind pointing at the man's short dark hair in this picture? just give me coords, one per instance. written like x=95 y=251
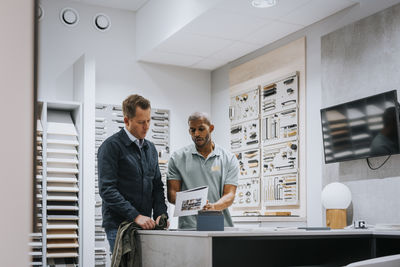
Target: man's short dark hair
x=131 y=102
x=200 y=116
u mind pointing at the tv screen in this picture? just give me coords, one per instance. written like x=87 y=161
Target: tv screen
x=363 y=128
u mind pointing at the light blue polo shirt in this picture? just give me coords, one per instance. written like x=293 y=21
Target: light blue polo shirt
x=218 y=169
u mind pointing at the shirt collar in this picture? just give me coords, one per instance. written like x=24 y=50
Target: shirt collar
x=216 y=151
x=133 y=138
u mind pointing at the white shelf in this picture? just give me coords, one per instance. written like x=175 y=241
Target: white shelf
x=62 y=197
x=61 y=225
x=62 y=255
x=62 y=236
x=56 y=243
x=63 y=217
x=62 y=170
x=62 y=160
x=72 y=189
x=66 y=151
x=63 y=142
x=62 y=179
x=60 y=123
x=35 y=244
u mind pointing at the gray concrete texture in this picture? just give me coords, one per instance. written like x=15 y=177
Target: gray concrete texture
x=359 y=60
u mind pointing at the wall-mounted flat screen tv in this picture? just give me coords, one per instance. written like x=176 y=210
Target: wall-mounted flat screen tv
x=364 y=128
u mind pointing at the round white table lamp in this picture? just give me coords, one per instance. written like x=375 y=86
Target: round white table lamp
x=336 y=197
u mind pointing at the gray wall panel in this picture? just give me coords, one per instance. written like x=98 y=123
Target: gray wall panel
x=359 y=60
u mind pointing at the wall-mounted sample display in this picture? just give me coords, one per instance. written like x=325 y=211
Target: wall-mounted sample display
x=280 y=127
x=273 y=158
x=108 y=120
x=159 y=131
x=245 y=135
x=159 y=135
x=280 y=190
x=249 y=162
x=280 y=158
x=248 y=193
x=245 y=106
x=280 y=95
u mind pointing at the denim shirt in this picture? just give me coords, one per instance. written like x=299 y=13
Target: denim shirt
x=129 y=180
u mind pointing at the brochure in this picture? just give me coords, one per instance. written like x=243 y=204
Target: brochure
x=189 y=202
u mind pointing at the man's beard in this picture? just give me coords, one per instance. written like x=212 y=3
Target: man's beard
x=206 y=141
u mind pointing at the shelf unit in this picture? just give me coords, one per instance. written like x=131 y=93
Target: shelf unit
x=57 y=242
x=36 y=244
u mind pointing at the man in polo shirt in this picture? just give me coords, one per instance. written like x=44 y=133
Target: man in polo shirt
x=129 y=176
x=203 y=163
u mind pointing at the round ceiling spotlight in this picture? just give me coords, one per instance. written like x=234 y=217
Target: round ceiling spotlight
x=69 y=16
x=39 y=12
x=263 y=3
x=102 y=22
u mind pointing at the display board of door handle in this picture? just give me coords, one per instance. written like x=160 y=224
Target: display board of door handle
x=249 y=163
x=245 y=135
x=279 y=95
x=280 y=190
x=280 y=158
x=280 y=127
x=247 y=193
x=244 y=106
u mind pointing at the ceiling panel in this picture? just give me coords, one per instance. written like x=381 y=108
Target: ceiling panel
x=272 y=32
x=235 y=51
x=231 y=29
x=193 y=44
x=209 y=64
x=171 y=59
x=223 y=24
x=244 y=7
x=315 y=10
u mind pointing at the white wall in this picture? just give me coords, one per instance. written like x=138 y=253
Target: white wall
x=84 y=91
x=118 y=74
x=16 y=107
x=313 y=33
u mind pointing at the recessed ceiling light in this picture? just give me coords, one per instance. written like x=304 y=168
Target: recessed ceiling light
x=102 y=22
x=263 y=3
x=69 y=16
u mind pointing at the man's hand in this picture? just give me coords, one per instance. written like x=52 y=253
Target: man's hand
x=145 y=222
x=209 y=206
x=158 y=222
x=225 y=201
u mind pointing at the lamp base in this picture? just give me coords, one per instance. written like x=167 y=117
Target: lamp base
x=336 y=218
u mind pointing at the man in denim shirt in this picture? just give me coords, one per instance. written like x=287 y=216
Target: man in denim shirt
x=129 y=176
